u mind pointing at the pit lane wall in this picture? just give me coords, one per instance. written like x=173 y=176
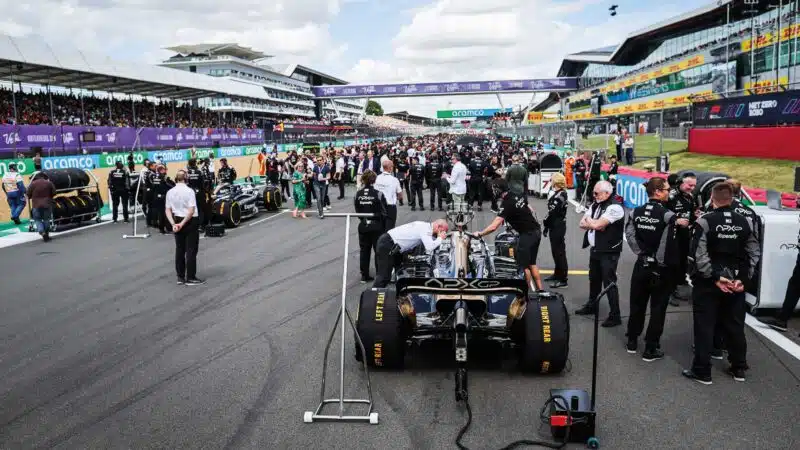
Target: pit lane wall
x=241 y=158
x=630 y=187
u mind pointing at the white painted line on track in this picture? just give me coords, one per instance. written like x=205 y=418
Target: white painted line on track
x=267 y=218
x=777 y=338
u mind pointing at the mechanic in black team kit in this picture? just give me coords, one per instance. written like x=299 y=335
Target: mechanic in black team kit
x=119 y=182
x=392 y=244
x=433 y=174
x=369 y=200
x=515 y=211
x=650 y=231
x=724 y=253
x=555 y=224
x=417 y=179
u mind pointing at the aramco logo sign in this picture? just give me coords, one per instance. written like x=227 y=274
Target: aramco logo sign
x=462 y=113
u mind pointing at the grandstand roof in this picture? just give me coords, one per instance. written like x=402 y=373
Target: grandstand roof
x=36 y=61
x=230 y=49
x=639 y=44
x=289 y=69
x=404 y=115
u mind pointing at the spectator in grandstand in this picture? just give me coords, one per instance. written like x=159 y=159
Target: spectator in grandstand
x=41 y=192
x=14 y=187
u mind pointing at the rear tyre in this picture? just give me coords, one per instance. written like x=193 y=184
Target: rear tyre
x=543 y=334
x=272 y=198
x=229 y=211
x=382 y=329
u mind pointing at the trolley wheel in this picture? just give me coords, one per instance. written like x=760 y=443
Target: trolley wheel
x=308 y=417
x=592 y=442
x=373 y=418
x=30 y=227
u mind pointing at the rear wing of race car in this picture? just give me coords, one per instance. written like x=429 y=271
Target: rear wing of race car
x=482 y=286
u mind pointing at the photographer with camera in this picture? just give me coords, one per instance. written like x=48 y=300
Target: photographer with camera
x=724 y=253
x=650 y=231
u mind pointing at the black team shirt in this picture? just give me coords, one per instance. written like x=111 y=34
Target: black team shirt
x=515 y=212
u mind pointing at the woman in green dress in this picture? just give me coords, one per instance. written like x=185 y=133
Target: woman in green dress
x=299 y=190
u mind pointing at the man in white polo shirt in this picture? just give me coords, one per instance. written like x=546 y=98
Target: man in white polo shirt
x=390 y=187
x=392 y=244
x=457 y=179
x=181 y=212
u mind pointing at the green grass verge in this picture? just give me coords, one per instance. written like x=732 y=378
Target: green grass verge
x=647 y=146
x=761 y=173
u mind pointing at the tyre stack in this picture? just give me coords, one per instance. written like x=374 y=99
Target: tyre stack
x=72 y=204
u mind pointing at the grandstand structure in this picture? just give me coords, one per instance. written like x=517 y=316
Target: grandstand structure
x=725 y=48
x=287 y=86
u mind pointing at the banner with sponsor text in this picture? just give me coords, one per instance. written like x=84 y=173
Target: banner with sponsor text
x=64 y=137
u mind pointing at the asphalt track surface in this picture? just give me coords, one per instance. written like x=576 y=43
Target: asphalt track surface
x=101 y=349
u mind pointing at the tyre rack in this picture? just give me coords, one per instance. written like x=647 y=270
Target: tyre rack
x=91 y=188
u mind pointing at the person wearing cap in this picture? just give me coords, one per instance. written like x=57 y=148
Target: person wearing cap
x=14 y=187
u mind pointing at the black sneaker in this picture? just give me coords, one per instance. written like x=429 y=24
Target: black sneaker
x=632 y=346
x=651 y=355
x=586 y=310
x=693 y=376
x=717 y=354
x=776 y=324
x=737 y=374
x=413 y=208
x=181 y=281
x=611 y=322
x=559 y=284
x=194 y=282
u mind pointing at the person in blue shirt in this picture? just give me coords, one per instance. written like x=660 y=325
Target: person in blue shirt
x=14 y=187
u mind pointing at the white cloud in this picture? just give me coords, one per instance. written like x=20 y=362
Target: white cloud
x=463 y=40
x=138 y=29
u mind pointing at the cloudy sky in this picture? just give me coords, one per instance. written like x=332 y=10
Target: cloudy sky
x=362 y=41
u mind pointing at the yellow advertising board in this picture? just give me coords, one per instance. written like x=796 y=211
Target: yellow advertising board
x=535 y=116
x=634 y=108
x=766 y=86
x=767 y=39
x=678 y=66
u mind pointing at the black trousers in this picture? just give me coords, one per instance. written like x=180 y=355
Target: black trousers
x=602 y=272
x=387 y=257
x=391 y=217
x=285 y=191
x=558 y=246
x=653 y=286
x=792 y=293
x=405 y=184
x=367 y=243
x=435 y=186
x=416 y=193
x=187 y=241
x=580 y=188
x=202 y=214
x=619 y=152
x=340 y=182
x=683 y=241
x=116 y=199
x=158 y=213
x=475 y=191
x=711 y=306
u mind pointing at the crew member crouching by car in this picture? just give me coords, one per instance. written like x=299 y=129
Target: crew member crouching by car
x=392 y=244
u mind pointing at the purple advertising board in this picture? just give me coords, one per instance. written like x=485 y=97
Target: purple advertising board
x=58 y=138
x=455 y=88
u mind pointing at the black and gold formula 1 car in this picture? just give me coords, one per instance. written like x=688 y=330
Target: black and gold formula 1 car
x=430 y=304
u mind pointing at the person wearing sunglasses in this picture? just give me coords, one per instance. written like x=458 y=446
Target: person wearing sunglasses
x=604 y=224
x=651 y=236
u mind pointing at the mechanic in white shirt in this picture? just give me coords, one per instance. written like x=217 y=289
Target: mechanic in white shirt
x=181 y=212
x=390 y=187
x=604 y=224
x=392 y=244
x=457 y=180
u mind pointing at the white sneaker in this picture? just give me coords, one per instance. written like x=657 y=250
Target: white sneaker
x=327 y=208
